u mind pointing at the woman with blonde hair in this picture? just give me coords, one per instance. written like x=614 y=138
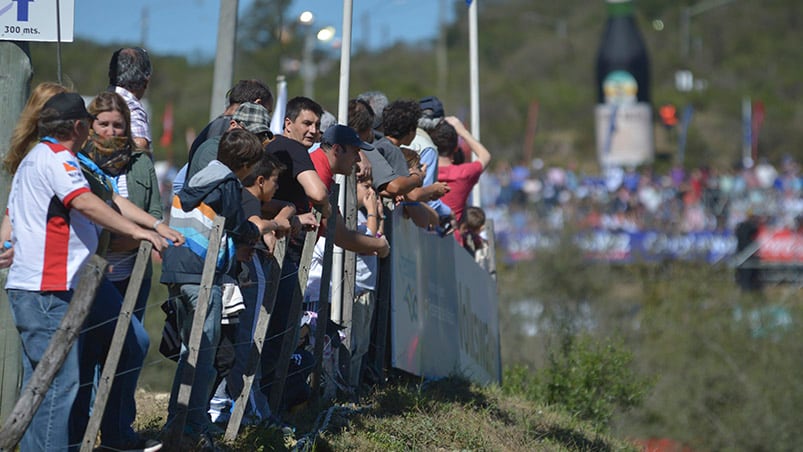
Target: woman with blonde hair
x=126 y=180
x=24 y=137
x=25 y=134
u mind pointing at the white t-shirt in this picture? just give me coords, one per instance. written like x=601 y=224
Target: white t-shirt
x=51 y=240
x=366 y=267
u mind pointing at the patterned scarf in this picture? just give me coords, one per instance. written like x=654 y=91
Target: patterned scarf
x=111 y=154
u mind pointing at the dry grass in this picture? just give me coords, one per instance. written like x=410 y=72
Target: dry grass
x=450 y=414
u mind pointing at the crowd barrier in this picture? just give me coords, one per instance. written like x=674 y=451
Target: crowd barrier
x=444 y=308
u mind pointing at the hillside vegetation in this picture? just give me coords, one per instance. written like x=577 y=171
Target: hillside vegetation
x=540 y=52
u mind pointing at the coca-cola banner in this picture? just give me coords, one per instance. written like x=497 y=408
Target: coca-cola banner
x=780 y=245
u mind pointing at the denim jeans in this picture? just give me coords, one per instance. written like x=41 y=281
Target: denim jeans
x=95 y=341
x=253 y=291
x=142 y=296
x=279 y=322
x=361 y=315
x=186 y=300
x=37 y=315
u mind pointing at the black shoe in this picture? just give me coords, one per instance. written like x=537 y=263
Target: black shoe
x=205 y=443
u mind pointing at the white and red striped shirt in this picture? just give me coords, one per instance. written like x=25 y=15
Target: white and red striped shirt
x=51 y=240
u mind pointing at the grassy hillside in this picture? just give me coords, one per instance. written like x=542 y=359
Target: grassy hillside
x=445 y=415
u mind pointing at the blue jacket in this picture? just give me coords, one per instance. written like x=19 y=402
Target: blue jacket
x=214 y=191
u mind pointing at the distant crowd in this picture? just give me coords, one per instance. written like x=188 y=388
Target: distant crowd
x=84 y=183
x=536 y=197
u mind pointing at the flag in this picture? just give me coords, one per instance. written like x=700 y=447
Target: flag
x=757 y=121
x=468 y=2
x=277 y=121
x=167 y=126
x=611 y=130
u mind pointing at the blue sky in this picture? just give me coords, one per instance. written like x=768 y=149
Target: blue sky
x=189 y=27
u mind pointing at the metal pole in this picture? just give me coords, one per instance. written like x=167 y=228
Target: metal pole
x=58 y=42
x=342 y=118
x=475 y=85
x=685 y=19
x=224 y=56
x=307 y=66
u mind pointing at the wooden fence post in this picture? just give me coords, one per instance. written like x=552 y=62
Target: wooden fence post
x=116 y=348
x=176 y=431
x=289 y=336
x=324 y=305
x=53 y=358
x=349 y=262
x=15 y=81
x=254 y=359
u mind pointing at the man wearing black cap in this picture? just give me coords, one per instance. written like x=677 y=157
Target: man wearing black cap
x=52 y=203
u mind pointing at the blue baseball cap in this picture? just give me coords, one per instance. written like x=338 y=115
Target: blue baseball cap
x=344 y=136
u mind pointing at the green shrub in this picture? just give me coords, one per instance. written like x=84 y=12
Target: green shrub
x=589 y=380
x=592 y=380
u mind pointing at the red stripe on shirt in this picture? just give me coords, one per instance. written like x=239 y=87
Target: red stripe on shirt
x=57 y=241
x=68 y=199
x=57 y=147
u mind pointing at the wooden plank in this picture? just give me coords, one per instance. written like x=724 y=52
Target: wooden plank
x=260 y=331
x=173 y=440
x=349 y=261
x=116 y=348
x=53 y=358
x=324 y=306
x=293 y=317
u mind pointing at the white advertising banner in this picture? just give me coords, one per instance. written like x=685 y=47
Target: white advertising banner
x=29 y=20
x=444 y=317
x=624 y=134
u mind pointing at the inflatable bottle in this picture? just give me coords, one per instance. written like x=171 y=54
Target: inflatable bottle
x=623 y=115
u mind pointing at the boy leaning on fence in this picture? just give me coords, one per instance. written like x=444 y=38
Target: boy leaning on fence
x=237 y=338
x=213 y=191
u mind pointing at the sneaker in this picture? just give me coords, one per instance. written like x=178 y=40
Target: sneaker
x=140 y=445
x=205 y=443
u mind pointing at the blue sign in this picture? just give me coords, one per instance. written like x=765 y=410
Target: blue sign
x=22 y=10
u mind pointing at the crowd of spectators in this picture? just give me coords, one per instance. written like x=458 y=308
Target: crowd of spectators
x=541 y=198
x=85 y=184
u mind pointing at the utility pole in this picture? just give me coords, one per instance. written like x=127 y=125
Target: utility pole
x=441 y=55
x=143 y=30
x=224 y=56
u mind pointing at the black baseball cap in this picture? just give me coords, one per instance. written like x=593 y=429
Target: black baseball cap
x=344 y=136
x=68 y=106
